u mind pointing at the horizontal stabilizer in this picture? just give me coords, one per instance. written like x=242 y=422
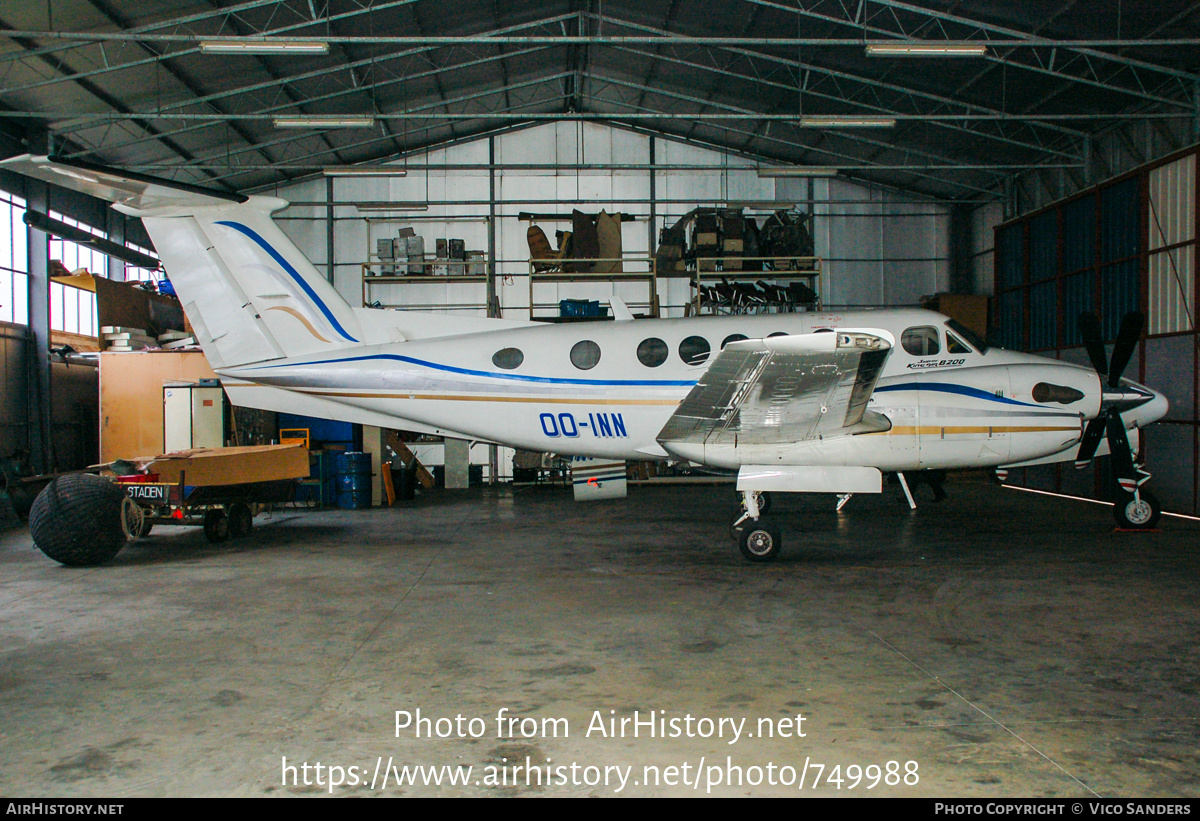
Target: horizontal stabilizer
x=127 y=188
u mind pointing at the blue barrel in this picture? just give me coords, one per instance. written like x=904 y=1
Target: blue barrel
x=353 y=471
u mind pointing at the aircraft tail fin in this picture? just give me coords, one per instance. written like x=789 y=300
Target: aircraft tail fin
x=248 y=291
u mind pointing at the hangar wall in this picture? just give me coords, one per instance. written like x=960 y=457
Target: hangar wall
x=879 y=247
x=1127 y=244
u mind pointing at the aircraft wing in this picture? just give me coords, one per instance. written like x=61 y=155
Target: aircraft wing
x=784 y=389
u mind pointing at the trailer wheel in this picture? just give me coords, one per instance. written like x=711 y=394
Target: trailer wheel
x=216 y=525
x=76 y=520
x=241 y=520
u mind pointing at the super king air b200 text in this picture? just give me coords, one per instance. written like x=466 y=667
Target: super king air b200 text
x=819 y=402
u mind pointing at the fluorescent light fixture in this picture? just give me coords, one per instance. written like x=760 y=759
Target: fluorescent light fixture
x=846 y=122
x=762 y=205
x=796 y=171
x=364 y=171
x=926 y=49
x=391 y=206
x=341 y=121
x=263 y=45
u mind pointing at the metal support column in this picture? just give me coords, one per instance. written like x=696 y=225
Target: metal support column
x=493 y=300
x=329 y=268
x=41 y=449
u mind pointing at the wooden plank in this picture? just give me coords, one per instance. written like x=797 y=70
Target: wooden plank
x=388 y=488
x=393 y=441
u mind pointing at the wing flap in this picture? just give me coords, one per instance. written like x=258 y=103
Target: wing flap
x=783 y=389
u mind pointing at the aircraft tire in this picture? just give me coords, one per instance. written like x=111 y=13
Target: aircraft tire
x=759 y=541
x=1133 y=516
x=216 y=525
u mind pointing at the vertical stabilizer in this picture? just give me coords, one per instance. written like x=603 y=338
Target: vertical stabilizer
x=253 y=291
x=249 y=293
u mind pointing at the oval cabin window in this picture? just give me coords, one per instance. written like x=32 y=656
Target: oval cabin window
x=694 y=350
x=585 y=354
x=508 y=358
x=652 y=352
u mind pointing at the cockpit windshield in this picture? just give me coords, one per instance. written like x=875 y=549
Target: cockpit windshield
x=973 y=339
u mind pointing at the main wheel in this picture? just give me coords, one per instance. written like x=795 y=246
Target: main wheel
x=1137 y=513
x=241 y=520
x=759 y=541
x=216 y=525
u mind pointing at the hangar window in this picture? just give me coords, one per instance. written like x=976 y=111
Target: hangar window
x=508 y=358
x=652 y=352
x=694 y=350
x=921 y=341
x=585 y=354
x=732 y=338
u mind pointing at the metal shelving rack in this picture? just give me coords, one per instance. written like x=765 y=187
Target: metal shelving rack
x=799 y=269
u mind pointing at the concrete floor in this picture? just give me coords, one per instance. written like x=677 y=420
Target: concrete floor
x=1008 y=644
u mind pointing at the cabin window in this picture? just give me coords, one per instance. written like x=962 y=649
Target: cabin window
x=652 y=352
x=508 y=358
x=585 y=354
x=732 y=338
x=694 y=350
x=921 y=341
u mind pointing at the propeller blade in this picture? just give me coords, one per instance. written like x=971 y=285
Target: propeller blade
x=1092 y=435
x=1089 y=329
x=1127 y=339
x=1122 y=458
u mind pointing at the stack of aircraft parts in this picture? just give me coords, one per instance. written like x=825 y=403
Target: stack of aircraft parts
x=761 y=297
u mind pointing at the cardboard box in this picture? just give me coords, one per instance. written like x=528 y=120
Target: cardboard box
x=205 y=467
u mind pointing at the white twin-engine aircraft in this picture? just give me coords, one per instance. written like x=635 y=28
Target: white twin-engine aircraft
x=809 y=402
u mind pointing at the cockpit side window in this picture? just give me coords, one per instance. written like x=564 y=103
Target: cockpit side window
x=973 y=339
x=921 y=341
x=956 y=345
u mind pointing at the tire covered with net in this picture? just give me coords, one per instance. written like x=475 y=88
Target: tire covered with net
x=76 y=520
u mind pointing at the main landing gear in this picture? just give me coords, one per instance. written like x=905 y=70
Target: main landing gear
x=758 y=539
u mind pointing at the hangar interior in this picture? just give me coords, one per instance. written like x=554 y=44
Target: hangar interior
x=1036 y=159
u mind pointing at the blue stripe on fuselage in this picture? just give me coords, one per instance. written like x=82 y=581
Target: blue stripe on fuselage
x=962 y=390
x=491 y=375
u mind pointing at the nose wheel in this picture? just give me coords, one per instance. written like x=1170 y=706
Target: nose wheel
x=1137 y=511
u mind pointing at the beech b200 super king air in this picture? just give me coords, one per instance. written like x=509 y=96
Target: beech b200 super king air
x=809 y=402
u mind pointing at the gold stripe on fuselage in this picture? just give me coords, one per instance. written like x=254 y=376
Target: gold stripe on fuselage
x=469 y=398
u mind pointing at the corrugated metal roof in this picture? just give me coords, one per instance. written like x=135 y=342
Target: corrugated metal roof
x=125 y=83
